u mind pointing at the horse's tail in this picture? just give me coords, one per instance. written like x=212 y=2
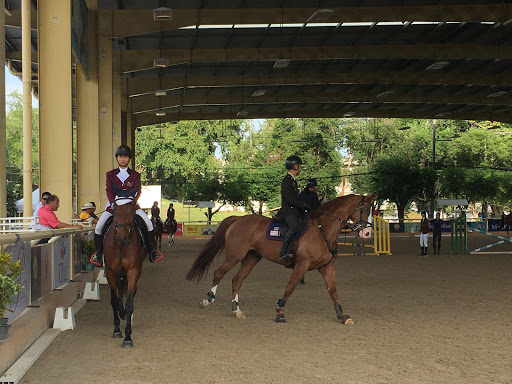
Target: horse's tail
x=209 y=251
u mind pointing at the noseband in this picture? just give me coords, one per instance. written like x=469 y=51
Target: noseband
x=128 y=226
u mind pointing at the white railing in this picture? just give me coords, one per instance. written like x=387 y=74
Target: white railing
x=18 y=224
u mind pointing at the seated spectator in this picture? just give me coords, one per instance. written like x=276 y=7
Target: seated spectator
x=47 y=218
x=88 y=212
x=39 y=205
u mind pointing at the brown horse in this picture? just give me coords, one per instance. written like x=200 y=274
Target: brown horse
x=159 y=229
x=245 y=241
x=124 y=253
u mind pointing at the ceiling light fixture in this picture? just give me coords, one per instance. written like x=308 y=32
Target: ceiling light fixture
x=160 y=63
x=386 y=93
x=259 y=92
x=497 y=94
x=437 y=66
x=161 y=92
x=320 y=16
x=162 y=14
x=349 y=114
x=242 y=113
x=7 y=12
x=160 y=113
x=281 y=63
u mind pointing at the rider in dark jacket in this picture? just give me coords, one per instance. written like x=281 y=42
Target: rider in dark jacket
x=309 y=195
x=292 y=208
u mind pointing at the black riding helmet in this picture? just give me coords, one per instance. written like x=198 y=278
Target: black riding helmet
x=291 y=161
x=311 y=183
x=123 y=150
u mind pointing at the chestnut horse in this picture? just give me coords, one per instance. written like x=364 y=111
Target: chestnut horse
x=245 y=241
x=124 y=253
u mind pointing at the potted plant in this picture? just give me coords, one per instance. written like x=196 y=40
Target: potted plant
x=87 y=251
x=9 y=271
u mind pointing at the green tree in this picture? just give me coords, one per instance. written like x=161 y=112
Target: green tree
x=14 y=145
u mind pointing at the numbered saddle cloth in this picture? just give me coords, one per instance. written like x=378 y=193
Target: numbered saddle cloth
x=274 y=231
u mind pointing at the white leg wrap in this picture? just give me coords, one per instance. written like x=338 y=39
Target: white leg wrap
x=145 y=217
x=207 y=302
x=101 y=222
x=237 y=310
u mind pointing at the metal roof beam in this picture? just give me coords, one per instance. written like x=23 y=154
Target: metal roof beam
x=150 y=119
x=136 y=60
x=137 y=22
x=144 y=85
x=150 y=103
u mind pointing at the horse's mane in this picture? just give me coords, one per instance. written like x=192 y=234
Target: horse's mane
x=326 y=207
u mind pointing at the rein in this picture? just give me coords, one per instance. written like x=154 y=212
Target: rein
x=128 y=226
x=355 y=228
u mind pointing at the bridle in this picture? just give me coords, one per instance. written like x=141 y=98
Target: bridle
x=354 y=227
x=128 y=226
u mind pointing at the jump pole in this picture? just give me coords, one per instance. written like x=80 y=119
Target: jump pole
x=502 y=241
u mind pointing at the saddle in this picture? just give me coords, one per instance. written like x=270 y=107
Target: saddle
x=276 y=230
x=139 y=224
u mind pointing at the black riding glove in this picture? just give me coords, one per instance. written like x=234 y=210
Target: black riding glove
x=307 y=208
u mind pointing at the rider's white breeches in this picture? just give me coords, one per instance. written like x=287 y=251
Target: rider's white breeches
x=104 y=217
x=423 y=239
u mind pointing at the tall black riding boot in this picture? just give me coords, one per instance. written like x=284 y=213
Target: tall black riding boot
x=97 y=257
x=434 y=248
x=422 y=251
x=154 y=254
x=426 y=251
x=288 y=238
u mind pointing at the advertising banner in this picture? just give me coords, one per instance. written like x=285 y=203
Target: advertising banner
x=20 y=251
x=61 y=261
x=179 y=231
x=77 y=254
x=208 y=229
x=191 y=230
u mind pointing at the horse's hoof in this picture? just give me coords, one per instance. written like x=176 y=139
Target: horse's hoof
x=201 y=305
x=280 y=318
x=127 y=344
x=117 y=335
x=345 y=319
x=240 y=316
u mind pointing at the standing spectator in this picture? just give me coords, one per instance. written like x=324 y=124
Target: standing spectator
x=47 y=217
x=436 y=224
x=39 y=205
x=503 y=219
x=88 y=212
x=424 y=234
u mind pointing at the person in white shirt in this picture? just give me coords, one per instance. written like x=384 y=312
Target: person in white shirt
x=39 y=205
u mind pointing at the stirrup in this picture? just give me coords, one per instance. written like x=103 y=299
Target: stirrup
x=96 y=259
x=155 y=256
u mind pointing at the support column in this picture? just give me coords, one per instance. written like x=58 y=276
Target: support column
x=55 y=103
x=105 y=97
x=26 y=69
x=131 y=140
x=116 y=104
x=3 y=150
x=88 y=133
